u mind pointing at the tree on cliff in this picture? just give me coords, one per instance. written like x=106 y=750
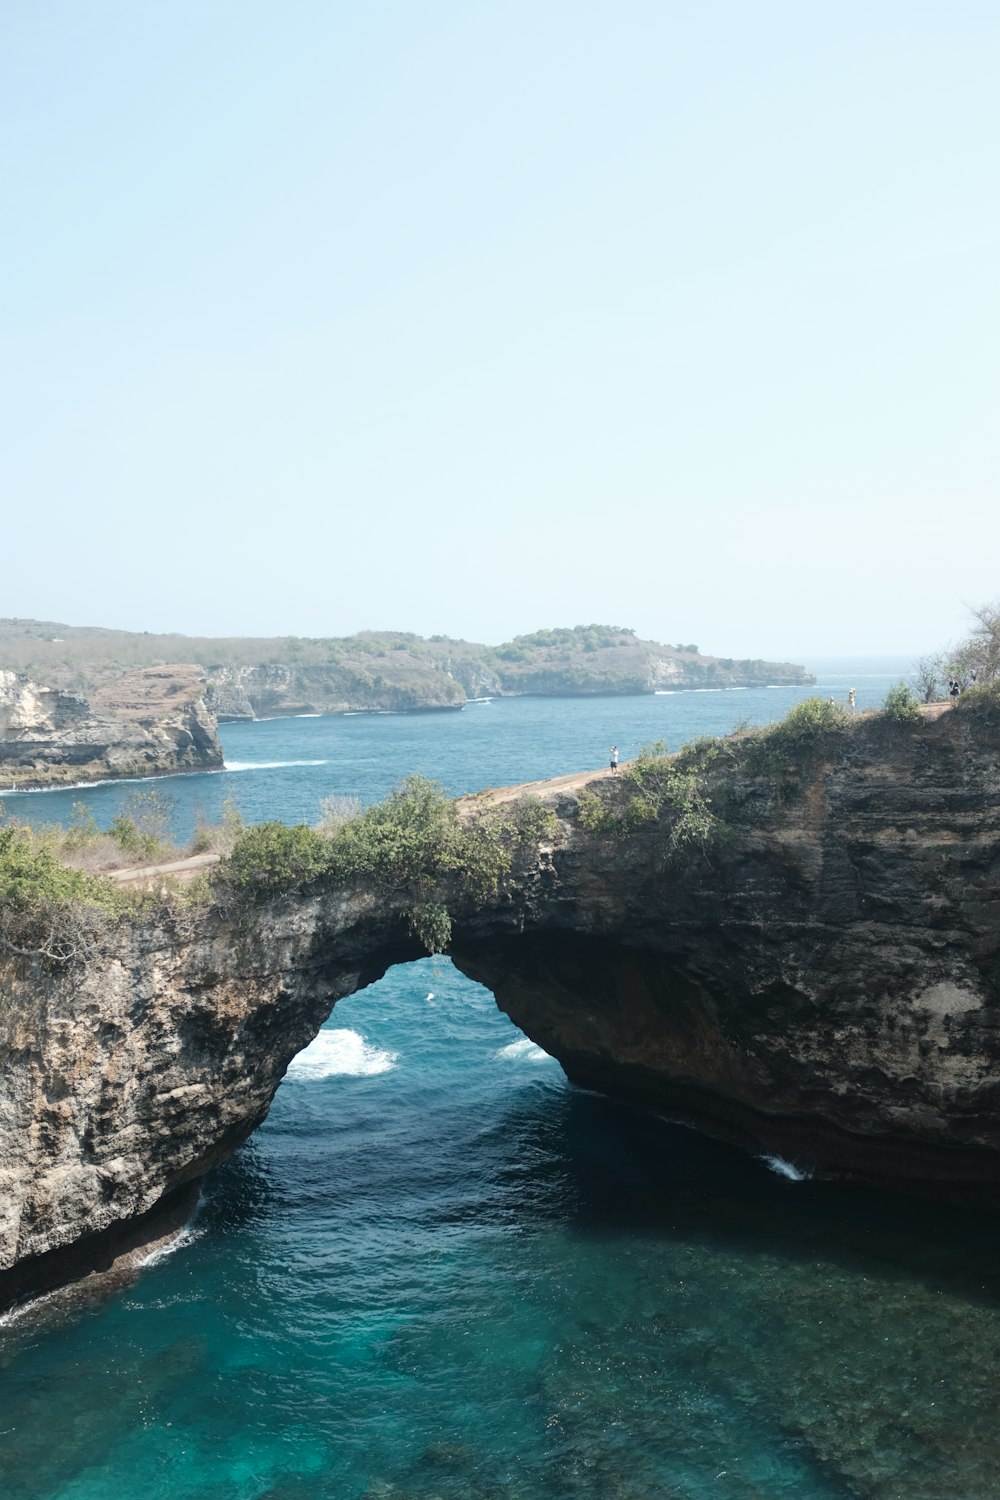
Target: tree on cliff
x=980 y=653
x=974 y=660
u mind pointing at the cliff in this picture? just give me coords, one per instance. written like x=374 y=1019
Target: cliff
x=152 y=722
x=277 y=689
x=821 y=980
x=379 y=671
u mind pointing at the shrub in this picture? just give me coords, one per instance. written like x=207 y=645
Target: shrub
x=811 y=729
x=983 y=702
x=334 y=812
x=415 y=843
x=271 y=857
x=900 y=704
x=141 y=829
x=653 y=787
x=928 y=673
x=47 y=910
x=82 y=830
x=412 y=834
x=218 y=838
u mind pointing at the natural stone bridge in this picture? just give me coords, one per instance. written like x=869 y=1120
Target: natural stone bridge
x=825 y=986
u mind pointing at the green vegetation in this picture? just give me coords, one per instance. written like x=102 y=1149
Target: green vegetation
x=973 y=663
x=900 y=705
x=810 y=730
x=416 y=843
x=654 y=787
x=270 y=857
x=564 y=638
x=48 y=911
x=981 y=702
x=142 y=828
x=139 y=834
x=218 y=838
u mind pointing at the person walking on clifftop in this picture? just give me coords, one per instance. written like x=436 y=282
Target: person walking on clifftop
x=614 y=760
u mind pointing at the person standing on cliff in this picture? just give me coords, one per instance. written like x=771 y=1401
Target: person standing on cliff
x=852 y=699
x=614 y=760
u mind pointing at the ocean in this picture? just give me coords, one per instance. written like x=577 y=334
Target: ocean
x=438 y=1270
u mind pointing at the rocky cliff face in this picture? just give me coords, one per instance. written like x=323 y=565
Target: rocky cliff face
x=824 y=985
x=276 y=690
x=145 y=723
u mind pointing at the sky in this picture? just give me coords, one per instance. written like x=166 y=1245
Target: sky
x=474 y=318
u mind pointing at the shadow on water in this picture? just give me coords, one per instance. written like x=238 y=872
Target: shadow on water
x=608 y=1169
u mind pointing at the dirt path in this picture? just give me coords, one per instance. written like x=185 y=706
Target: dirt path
x=187 y=869
x=181 y=869
x=569 y=783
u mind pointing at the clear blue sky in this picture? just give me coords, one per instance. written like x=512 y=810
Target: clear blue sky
x=478 y=317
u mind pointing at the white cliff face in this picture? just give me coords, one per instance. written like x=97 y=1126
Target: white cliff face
x=27 y=710
x=148 y=722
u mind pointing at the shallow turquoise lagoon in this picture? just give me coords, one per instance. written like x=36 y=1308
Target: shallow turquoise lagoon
x=438 y=1270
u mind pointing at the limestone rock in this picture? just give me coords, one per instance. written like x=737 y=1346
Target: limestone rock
x=149 y=722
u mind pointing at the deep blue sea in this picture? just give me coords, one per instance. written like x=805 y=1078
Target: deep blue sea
x=440 y=1272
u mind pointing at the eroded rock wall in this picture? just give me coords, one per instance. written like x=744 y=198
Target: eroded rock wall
x=126 y=1079
x=825 y=984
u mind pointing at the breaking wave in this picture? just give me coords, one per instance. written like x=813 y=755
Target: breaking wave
x=269 y=765
x=340 y=1054
x=785 y=1168
x=523 y=1050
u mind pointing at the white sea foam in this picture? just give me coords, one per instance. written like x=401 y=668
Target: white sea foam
x=784 y=1168
x=269 y=765
x=336 y=1054
x=523 y=1050
x=82 y=786
x=187 y=1236
x=15 y=1314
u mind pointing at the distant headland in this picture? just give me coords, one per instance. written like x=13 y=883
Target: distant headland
x=81 y=703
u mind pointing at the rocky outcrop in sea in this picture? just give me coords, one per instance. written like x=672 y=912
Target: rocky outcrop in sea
x=150 y=722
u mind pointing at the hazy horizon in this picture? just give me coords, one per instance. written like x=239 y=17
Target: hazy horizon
x=466 y=318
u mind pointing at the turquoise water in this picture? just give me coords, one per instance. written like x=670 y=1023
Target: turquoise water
x=438 y=1270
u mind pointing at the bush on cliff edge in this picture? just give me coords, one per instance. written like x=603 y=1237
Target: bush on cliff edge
x=654 y=787
x=415 y=842
x=48 y=911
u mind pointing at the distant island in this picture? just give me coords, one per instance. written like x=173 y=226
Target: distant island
x=248 y=677
x=80 y=703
